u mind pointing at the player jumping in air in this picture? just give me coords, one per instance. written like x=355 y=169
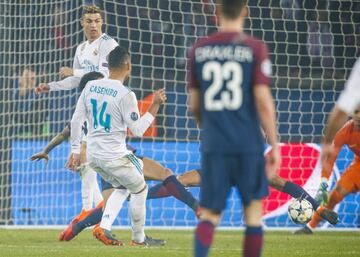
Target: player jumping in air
x=90 y=55
x=110 y=107
x=229 y=77
x=349 y=181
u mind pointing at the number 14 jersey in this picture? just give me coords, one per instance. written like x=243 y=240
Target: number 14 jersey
x=110 y=108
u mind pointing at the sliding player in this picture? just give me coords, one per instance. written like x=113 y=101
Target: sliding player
x=90 y=55
x=349 y=181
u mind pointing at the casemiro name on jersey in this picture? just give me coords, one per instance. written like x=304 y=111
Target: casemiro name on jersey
x=103 y=91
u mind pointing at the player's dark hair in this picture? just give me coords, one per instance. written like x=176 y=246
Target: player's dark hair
x=89 y=77
x=231 y=9
x=92 y=9
x=118 y=57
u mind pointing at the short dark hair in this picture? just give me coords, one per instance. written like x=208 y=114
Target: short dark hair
x=89 y=77
x=231 y=9
x=118 y=57
x=92 y=9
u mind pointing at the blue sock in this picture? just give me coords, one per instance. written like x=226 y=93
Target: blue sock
x=204 y=234
x=93 y=218
x=176 y=189
x=157 y=191
x=253 y=241
x=297 y=191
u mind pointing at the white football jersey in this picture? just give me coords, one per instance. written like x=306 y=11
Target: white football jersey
x=88 y=57
x=349 y=99
x=109 y=108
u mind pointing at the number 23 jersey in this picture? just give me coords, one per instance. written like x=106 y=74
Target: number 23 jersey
x=225 y=67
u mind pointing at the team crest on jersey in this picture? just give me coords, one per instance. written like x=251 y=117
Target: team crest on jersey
x=134 y=116
x=95 y=52
x=266 y=67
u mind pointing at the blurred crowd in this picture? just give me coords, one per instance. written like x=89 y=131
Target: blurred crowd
x=306 y=38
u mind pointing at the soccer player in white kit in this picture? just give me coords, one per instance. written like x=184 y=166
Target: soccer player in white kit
x=348 y=102
x=110 y=109
x=90 y=55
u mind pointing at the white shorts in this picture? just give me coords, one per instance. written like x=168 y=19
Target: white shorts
x=125 y=172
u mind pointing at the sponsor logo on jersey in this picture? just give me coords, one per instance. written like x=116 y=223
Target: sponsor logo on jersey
x=134 y=116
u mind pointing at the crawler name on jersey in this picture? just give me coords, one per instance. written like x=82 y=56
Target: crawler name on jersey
x=236 y=53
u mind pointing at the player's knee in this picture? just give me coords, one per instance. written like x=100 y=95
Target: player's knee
x=141 y=189
x=212 y=216
x=167 y=173
x=183 y=180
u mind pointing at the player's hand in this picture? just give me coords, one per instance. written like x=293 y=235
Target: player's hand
x=273 y=161
x=66 y=72
x=159 y=96
x=39 y=156
x=327 y=150
x=322 y=194
x=42 y=88
x=73 y=162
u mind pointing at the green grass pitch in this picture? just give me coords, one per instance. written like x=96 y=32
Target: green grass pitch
x=41 y=243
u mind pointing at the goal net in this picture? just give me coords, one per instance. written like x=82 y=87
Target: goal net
x=313 y=45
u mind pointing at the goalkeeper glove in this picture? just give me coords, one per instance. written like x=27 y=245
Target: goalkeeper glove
x=322 y=194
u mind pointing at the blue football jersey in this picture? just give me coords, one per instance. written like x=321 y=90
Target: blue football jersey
x=225 y=67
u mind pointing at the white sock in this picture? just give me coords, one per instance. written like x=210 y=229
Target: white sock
x=137 y=208
x=112 y=208
x=88 y=178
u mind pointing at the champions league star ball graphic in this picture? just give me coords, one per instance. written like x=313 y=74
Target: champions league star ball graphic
x=300 y=165
x=300 y=211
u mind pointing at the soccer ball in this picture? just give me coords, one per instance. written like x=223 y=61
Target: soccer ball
x=300 y=211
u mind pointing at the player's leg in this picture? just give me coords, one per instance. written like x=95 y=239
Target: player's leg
x=253 y=241
x=214 y=190
x=347 y=184
x=190 y=178
x=252 y=185
x=90 y=190
x=112 y=208
x=92 y=217
x=297 y=191
x=127 y=172
x=170 y=185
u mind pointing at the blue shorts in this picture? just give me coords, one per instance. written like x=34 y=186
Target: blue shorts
x=106 y=185
x=220 y=172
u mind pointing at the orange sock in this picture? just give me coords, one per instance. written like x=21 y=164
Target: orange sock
x=334 y=199
x=316 y=219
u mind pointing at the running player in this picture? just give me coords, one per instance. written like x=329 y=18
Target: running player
x=349 y=181
x=110 y=108
x=229 y=77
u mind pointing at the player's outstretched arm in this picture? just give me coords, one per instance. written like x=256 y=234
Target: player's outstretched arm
x=138 y=125
x=55 y=141
x=266 y=110
x=65 y=84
